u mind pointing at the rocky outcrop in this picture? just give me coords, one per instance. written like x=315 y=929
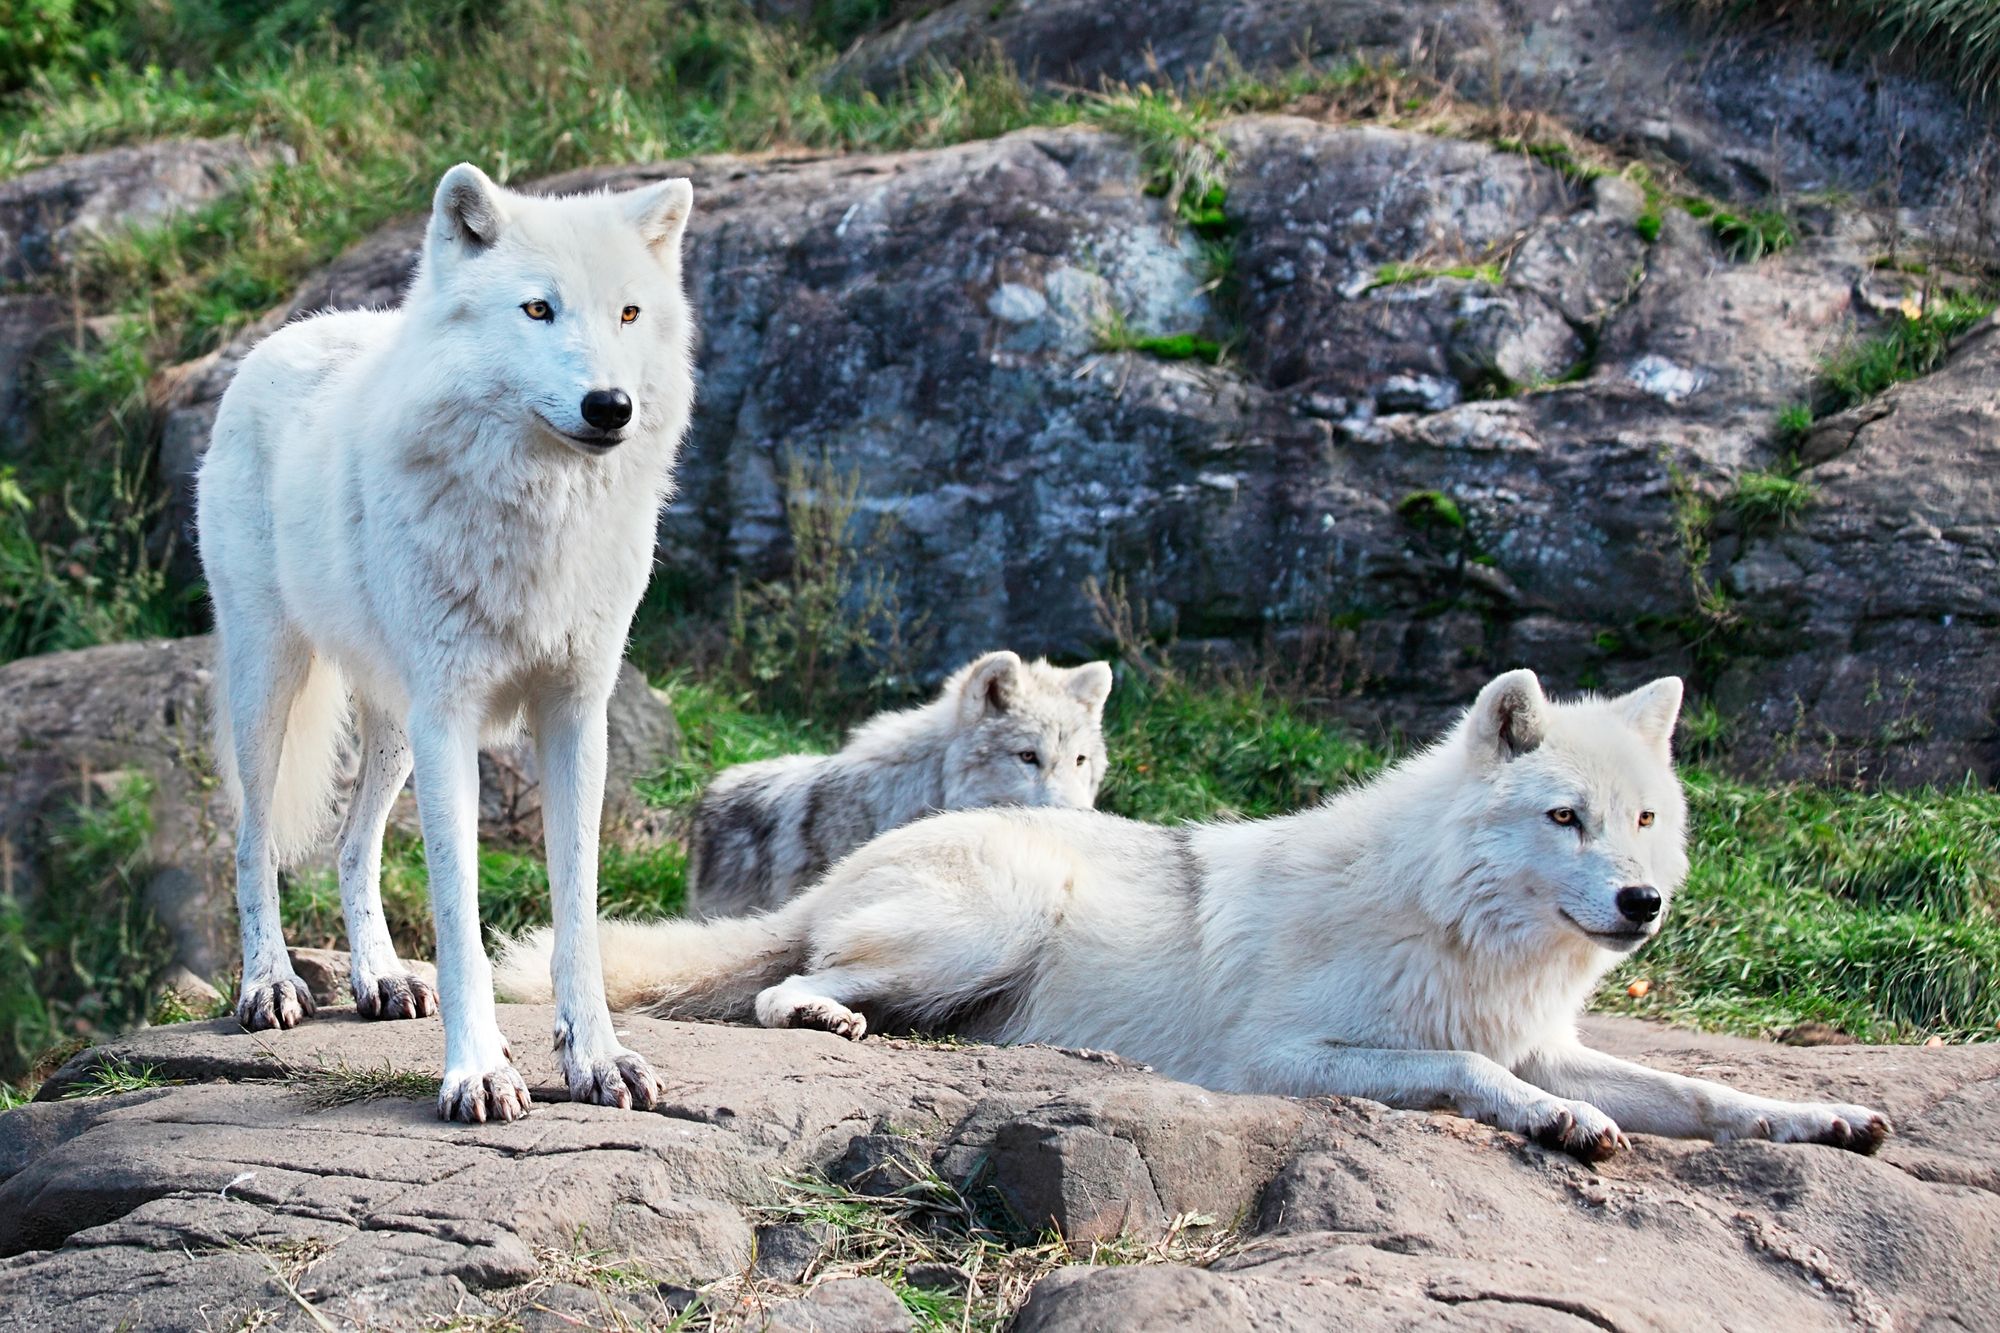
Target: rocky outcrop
x=45 y=214
x=1400 y=477
x=303 y=1175
x=1749 y=114
x=1871 y=624
x=74 y=725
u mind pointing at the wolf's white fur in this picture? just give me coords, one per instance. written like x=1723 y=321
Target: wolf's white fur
x=1000 y=732
x=408 y=509
x=1426 y=940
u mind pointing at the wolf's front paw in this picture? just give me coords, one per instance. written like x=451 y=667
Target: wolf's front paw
x=1855 y=1128
x=1577 y=1128
x=619 y=1078
x=398 y=995
x=280 y=1001
x=478 y=1095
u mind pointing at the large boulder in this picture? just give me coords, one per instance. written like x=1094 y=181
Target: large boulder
x=47 y=213
x=271 y=1172
x=72 y=725
x=1869 y=643
x=1749 y=112
x=1468 y=407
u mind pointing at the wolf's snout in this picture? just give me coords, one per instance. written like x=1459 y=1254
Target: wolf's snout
x=607 y=409
x=1639 y=903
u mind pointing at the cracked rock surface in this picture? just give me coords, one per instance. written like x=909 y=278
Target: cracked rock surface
x=251 y=1188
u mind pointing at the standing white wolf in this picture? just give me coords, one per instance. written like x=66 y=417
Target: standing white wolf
x=1426 y=940
x=445 y=514
x=1001 y=732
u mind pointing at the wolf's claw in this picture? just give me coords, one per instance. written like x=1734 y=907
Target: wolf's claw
x=622 y=1079
x=1579 y=1129
x=481 y=1095
x=273 y=1002
x=1855 y=1128
x=398 y=996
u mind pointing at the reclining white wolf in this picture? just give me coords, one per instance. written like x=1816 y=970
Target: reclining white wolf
x=1426 y=940
x=1000 y=732
x=445 y=513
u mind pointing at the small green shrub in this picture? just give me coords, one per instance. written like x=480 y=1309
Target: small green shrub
x=1745 y=237
x=1430 y=510
x=1794 y=424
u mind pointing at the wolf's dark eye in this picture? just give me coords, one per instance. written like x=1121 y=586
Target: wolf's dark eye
x=1645 y=819
x=1563 y=815
x=539 y=310
x=1030 y=758
x=1082 y=759
x=628 y=314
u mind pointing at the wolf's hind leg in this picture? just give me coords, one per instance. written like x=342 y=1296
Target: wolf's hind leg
x=265 y=672
x=383 y=987
x=916 y=953
x=814 y=1000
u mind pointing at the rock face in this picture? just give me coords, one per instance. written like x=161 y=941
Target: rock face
x=45 y=213
x=72 y=724
x=151 y=1209
x=1746 y=115
x=1878 y=608
x=1348 y=488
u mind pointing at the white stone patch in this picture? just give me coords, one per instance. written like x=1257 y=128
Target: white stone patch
x=1017 y=304
x=1666 y=380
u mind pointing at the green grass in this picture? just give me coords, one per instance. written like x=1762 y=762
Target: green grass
x=1113 y=334
x=1768 y=500
x=114 y=1078
x=1909 y=346
x=1397 y=275
x=1745 y=237
x=77 y=961
x=1877 y=913
x=1957 y=41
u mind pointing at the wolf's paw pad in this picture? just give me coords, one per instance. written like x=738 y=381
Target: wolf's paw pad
x=397 y=996
x=622 y=1079
x=829 y=1017
x=1855 y=1128
x=273 y=1002
x=477 y=1096
x=1577 y=1128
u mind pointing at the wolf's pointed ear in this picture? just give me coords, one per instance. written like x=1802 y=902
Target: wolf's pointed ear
x=1652 y=710
x=1090 y=685
x=660 y=212
x=1509 y=718
x=466 y=211
x=988 y=685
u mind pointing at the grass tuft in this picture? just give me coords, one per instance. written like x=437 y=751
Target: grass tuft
x=1397 y=275
x=116 y=1077
x=1768 y=500
x=1913 y=344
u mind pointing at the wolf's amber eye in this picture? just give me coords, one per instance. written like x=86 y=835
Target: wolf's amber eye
x=1645 y=819
x=1030 y=758
x=539 y=310
x=628 y=314
x=1563 y=815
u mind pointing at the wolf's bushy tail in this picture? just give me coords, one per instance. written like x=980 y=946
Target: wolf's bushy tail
x=671 y=969
x=302 y=804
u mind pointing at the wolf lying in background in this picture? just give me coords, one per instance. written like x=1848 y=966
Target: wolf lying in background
x=1000 y=732
x=445 y=513
x=1426 y=940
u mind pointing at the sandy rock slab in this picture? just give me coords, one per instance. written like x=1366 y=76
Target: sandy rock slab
x=284 y=1179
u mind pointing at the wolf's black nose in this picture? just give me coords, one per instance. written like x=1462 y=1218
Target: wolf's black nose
x=607 y=409
x=1639 y=902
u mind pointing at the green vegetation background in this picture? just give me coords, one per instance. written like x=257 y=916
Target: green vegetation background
x=1876 y=914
